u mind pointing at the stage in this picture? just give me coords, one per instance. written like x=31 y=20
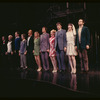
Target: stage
x=30 y=83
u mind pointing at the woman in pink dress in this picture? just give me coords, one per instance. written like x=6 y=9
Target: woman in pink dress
x=52 y=52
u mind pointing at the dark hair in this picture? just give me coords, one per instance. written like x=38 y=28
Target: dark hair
x=82 y=20
x=18 y=32
x=24 y=35
x=70 y=24
x=58 y=23
x=45 y=28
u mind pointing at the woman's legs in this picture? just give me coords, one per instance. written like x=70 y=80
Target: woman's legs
x=39 y=62
x=70 y=62
x=74 y=63
x=54 y=63
x=37 y=58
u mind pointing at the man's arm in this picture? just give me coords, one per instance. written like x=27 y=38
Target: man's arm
x=64 y=39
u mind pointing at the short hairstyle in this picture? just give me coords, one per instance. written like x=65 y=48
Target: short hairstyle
x=10 y=36
x=82 y=20
x=24 y=35
x=30 y=30
x=18 y=32
x=45 y=28
x=53 y=31
x=58 y=23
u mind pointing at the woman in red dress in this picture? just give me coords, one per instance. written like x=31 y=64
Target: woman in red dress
x=52 y=52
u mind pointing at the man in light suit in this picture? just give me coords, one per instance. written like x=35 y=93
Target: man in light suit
x=82 y=44
x=60 y=46
x=44 y=48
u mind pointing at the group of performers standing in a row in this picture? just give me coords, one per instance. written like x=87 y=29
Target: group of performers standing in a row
x=59 y=43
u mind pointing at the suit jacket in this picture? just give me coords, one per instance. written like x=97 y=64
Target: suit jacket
x=44 y=42
x=85 y=37
x=60 y=39
x=17 y=43
x=12 y=45
x=30 y=48
x=3 y=48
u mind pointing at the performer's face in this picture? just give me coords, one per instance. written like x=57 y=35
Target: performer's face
x=22 y=37
x=80 y=22
x=59 y=26
x=52 y=34
x=9 y=38
x=3 y=38
x=43 y=30
x=69 y=27
x=16 y=34
x=29 y=32
x=35 y=34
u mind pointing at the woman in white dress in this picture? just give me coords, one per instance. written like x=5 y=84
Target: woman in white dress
x=71 y=52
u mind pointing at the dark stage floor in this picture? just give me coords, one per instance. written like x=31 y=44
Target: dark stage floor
x=30 y=83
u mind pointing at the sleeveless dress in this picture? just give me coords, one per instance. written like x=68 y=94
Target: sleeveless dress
x=36 y=46
x=70 y=44
x=52 y=51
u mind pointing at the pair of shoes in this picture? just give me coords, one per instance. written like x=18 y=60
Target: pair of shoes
x=63 y=71
x=74 y=71
x=46 y=69
x=60 y=70
x=25 y=67
x=39 y=69
x=54 y=71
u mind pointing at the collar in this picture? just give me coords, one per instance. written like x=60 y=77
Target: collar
x=23 y=40
x=17 y=37
x=81 y=26
x=60 y=29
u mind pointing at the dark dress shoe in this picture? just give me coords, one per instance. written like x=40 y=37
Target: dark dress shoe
x=60 y=71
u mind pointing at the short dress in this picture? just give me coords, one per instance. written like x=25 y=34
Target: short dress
x=52 y=51
x=70 y=44
x=36 y=46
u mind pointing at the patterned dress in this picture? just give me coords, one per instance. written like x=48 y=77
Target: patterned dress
x=36 y=46
x=52 y=46
x=70 y=44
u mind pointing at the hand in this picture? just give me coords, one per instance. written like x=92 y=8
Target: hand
x=25 y=53
x=55 y=50
x=19 y=54
x=33 y=51
x=48 y=50
x=87 y=46
x=15 y=51
x=75 y=47
x=11 y=53
x=6 y=53
x=65 y=49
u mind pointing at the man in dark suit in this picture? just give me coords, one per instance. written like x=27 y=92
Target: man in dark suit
x=3 y=50
x=82 y=44
x=60 y=46
x=16 y=51
x=30 y=48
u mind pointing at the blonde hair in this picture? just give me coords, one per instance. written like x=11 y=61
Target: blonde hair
x=37 y=34
x=10 y=36
x=53 y=31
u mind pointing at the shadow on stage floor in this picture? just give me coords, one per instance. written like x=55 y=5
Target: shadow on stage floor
x=30 y=83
